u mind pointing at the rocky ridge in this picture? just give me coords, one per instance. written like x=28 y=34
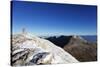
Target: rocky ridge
x=27 y=49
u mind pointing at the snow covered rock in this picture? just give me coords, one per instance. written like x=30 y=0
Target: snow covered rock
x=28 y=49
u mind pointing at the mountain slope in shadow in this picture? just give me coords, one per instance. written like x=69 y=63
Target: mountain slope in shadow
x=60 y=41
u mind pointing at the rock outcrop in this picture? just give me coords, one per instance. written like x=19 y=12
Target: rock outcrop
x=28 y=49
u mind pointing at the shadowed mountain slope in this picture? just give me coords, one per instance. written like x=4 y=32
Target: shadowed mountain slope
x=59 y=41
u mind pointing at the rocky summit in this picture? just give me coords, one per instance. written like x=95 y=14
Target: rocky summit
x=27 y=49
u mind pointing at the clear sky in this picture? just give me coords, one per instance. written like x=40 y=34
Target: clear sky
x=52 y=19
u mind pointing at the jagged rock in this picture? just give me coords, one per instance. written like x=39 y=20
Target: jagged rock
x=31 y=50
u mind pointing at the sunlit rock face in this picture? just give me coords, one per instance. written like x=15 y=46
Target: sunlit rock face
x=28 y=49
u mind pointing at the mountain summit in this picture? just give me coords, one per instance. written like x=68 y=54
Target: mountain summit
x=28 y=49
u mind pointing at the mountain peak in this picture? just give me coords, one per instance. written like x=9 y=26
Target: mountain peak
x=78 y=38
x=34 y=50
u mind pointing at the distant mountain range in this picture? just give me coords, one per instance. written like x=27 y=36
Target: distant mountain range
x=90 y=38
x=62 y=40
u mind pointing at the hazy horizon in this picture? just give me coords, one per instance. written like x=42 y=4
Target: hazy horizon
x=54 y=19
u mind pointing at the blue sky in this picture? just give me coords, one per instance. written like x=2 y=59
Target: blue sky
x=54 y=19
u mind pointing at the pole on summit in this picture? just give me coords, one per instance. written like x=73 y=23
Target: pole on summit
x=24 y=31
